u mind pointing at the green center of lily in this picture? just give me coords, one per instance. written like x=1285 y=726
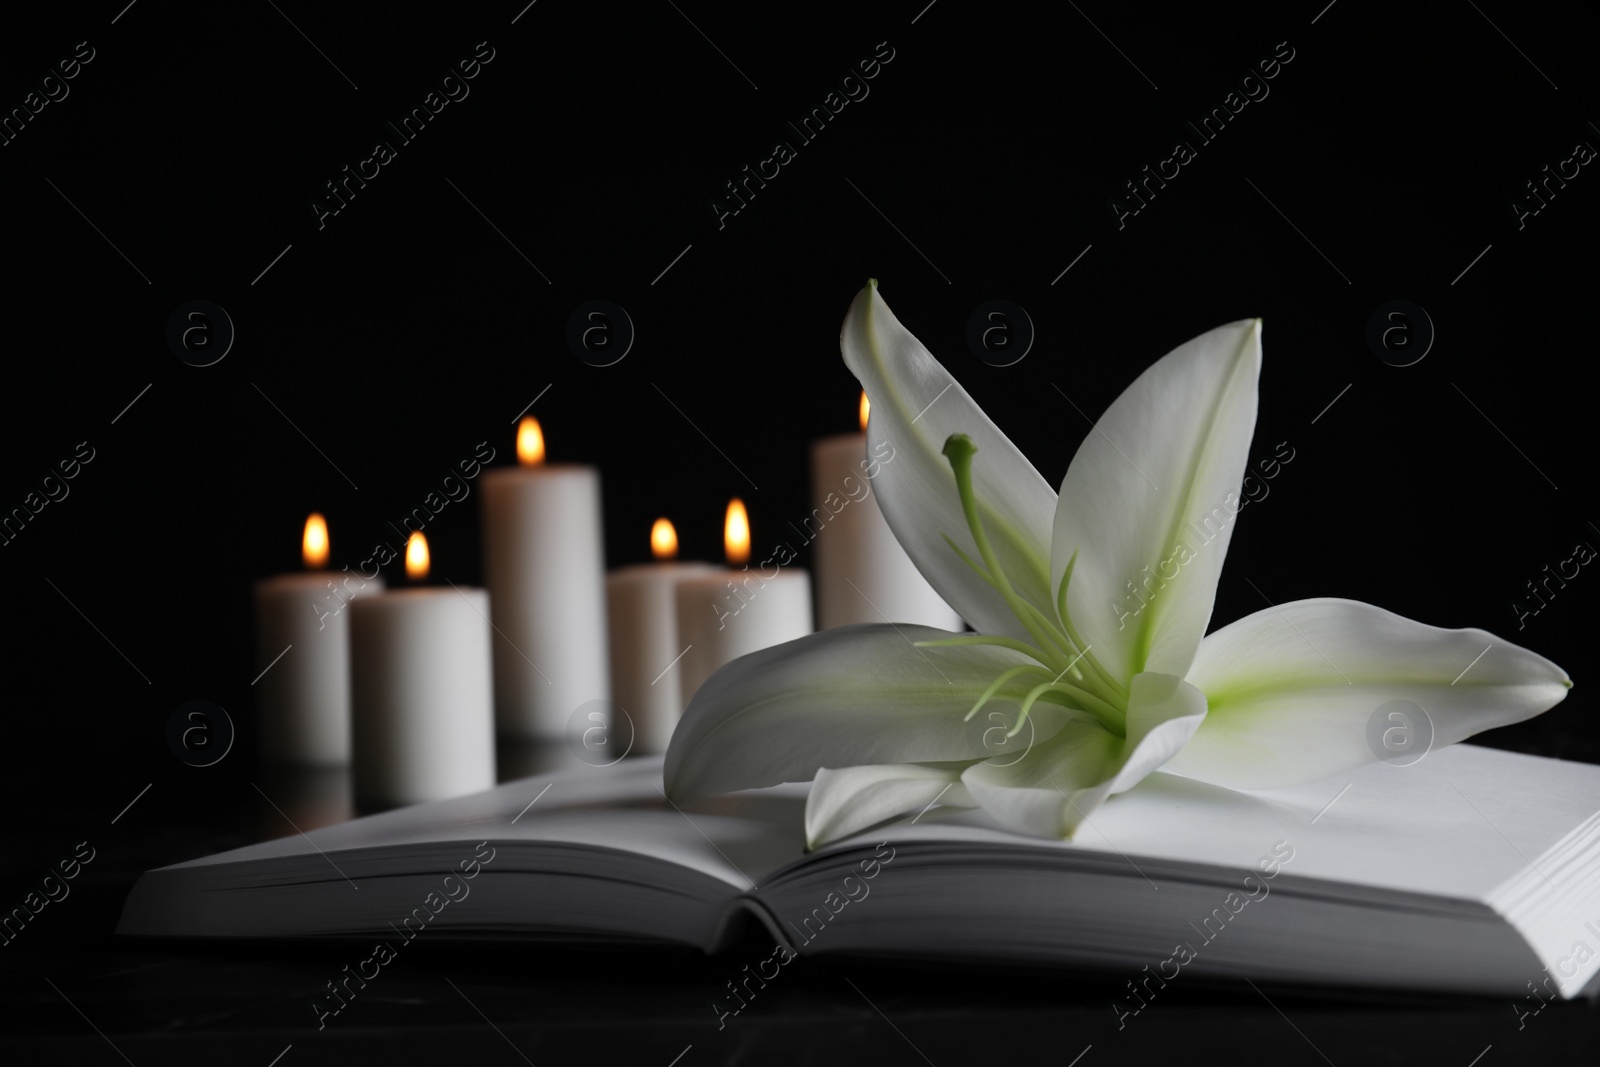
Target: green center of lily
x=1063 y=665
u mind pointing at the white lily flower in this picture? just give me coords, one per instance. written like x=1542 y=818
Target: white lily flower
x=1090 y=607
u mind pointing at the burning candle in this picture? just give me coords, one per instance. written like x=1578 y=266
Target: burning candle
x=303 y=654
x=641 y=606
x=730 y=613
x=545 y=569
x=422 y=711
x=863 y=575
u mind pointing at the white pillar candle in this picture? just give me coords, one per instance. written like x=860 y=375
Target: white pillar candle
x=641 y=610
x=545 y=568
x=303 y=652
x=863 y=575
x=422 y=713
x=742 y=609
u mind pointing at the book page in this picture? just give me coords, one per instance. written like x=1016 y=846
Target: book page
x=735 y=839
x=1459 y=823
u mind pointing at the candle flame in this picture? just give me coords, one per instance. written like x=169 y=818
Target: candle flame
x=736 y=532
x=314 y=544
x=530 y=442
x=416 y=556
x=866 y=406
x=663 y=540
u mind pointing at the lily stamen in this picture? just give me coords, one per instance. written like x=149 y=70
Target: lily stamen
x=994 y=686
x=1105 y=676
x=1109 y=717
x=1054 y=644
x=959 y=450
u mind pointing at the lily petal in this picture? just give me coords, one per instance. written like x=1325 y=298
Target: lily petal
x=1149 y=500
x=845 y=801
x=1052 y=790
x=1292 y=689
x=857 y=694
x=1054 y=787
x=1164 y=712
x=916 y=405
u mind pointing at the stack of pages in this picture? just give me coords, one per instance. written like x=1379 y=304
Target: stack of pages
x=1472 y=870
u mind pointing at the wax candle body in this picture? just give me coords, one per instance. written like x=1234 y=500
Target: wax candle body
x=863 y=575
x=545 y=569
x=305 y=694
x=422 y=713
x=733 y=612
x=641 y=610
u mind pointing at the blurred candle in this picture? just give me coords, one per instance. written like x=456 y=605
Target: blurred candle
x=422 y=712
x=863 y=575
x=545 y=569
x=303 y=652
x=641 y=608
x=730 y=613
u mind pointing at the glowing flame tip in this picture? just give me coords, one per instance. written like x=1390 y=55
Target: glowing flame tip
x=314 y=543
x=663 y=540
x=736 y=532
x=530 y=442
x=416 y=556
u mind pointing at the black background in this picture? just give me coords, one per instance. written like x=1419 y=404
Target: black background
x=412 y=325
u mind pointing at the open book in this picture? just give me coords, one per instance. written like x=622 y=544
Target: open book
x=1473 y=870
